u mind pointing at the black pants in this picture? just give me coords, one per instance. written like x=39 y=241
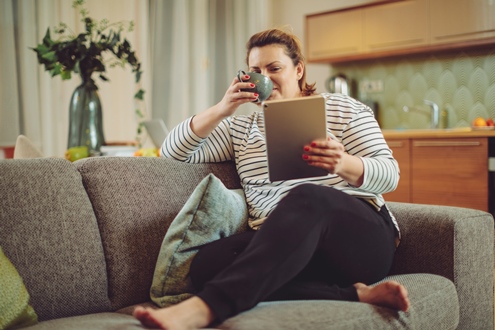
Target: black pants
x=316 y=244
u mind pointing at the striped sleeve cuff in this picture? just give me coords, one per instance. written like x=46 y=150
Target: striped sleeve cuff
x=381 y=175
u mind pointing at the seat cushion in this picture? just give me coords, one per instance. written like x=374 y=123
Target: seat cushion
x=100 y=321
x=49 y=232
x=434 y=305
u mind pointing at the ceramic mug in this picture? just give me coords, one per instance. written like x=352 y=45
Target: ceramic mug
x=263 y=84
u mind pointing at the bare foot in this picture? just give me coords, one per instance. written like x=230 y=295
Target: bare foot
x=190 y=314
x=390 y=294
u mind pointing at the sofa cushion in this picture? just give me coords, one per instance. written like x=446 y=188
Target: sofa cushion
x=135 y=199
x=49 y=231
x=15 y=310
x=434 y=305
x=211 y=213
x=100 y=321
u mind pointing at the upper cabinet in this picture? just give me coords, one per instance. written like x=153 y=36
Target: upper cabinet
x=461 y=20
x=398 y=28
x=395 y=25
x=344 y=30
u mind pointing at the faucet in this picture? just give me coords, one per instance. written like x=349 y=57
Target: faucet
x=434 y=112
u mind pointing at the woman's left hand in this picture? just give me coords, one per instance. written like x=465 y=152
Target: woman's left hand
x=330 y=155
x=327 y=154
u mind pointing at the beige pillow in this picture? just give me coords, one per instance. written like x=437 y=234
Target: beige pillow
x=211 y=212
x=25 y=149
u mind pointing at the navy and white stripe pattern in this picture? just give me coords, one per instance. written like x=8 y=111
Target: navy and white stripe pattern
x=242 y=139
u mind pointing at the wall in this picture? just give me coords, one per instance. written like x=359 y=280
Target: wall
x=461 y=82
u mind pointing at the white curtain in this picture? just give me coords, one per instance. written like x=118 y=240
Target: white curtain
x=197 y=46
x=190 y=51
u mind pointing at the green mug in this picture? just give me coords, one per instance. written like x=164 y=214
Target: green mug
x=262 y=84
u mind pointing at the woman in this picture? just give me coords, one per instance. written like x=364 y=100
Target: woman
x=318 y=238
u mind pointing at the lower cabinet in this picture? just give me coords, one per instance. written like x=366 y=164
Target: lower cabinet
x=442 y=171
x=401 y=149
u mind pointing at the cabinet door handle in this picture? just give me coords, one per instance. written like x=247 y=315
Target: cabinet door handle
x=395 y=144
x=446 y=143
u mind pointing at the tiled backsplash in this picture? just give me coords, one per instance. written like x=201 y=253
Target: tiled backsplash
x=463 y=83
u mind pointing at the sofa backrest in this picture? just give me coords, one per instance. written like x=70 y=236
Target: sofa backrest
x=49 y=231
x=135 y=199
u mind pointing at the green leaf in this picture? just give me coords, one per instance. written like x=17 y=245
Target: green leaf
x=138 y=75
x=57 y=69
x=50 y=56
x=65 y=75
x=41 y=49
x=139 y=95
x=47 y=40
x=139 y=114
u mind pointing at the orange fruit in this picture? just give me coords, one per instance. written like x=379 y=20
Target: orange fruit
x=479 y=121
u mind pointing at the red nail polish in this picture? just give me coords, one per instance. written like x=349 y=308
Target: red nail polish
x=306 y=148
x=305 y=156
x=252 y=85
x=246 y=77
x=313 y=144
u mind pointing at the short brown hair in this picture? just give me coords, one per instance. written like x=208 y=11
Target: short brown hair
x=292 y=46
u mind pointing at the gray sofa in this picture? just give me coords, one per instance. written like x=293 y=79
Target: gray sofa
x=85 y=237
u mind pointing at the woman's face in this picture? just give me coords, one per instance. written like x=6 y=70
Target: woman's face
x=272 y=62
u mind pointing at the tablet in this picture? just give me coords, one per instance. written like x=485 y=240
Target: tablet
x=290 y=125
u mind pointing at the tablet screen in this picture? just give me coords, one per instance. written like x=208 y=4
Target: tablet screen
x=289 y=125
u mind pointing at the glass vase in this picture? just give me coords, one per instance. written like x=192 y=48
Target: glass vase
x=86 y=118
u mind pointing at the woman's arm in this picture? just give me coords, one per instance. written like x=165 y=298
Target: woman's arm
x=206 y=136
x=205 y=122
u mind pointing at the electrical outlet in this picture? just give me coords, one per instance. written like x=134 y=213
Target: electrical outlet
x=371 y=86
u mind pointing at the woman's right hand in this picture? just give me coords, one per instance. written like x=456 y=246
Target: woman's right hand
x=234 y=97
x=205 y=122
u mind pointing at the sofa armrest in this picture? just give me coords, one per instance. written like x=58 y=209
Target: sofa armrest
x=453 y=242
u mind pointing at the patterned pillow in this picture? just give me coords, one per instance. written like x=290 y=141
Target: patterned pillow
x=211 y=212
x=15 y=310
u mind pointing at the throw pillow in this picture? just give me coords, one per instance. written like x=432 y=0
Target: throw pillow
x=25 y=149
x=211 y=212
x=15 y=311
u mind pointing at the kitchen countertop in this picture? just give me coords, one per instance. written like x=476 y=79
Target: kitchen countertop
x=461 y=132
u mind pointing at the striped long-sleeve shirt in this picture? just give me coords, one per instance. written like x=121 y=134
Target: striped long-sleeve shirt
x=242 y=139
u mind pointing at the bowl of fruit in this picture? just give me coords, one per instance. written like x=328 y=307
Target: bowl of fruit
x=480 y=123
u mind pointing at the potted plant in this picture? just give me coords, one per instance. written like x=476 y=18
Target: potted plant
x=83 y=54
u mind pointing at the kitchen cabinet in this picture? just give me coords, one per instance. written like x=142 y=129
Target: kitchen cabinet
x=464 y=19
x=443 y=171
x=395 y=25
x=450 y=172
x=338 y=35
x=401 y=149
x=398 y=28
